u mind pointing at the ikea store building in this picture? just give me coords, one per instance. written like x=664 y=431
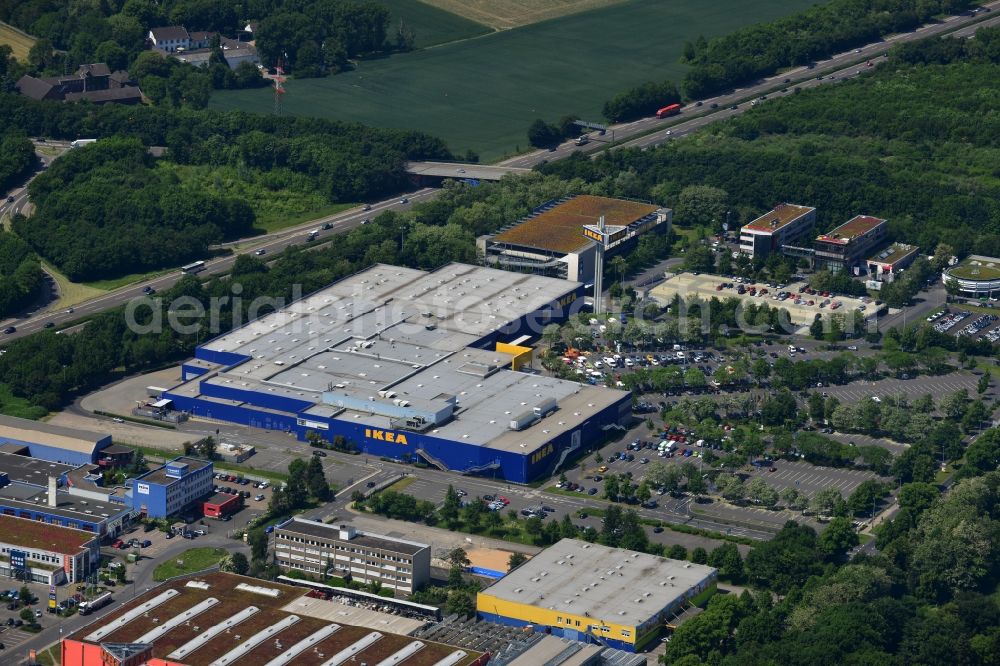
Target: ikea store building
x=410 y=365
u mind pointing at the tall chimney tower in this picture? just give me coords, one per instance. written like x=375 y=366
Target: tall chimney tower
x=53 y=484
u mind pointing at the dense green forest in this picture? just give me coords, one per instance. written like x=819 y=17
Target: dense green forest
x=915 y=143
x=142 y=213
x=20 y=274
x=640 y=101
x=319 y=37
x=817 y=33
x=17 y=157
x=925 y=598
x=104 y=210
x=310 y=38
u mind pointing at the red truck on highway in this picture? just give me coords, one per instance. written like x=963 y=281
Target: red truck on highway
x=671 y=110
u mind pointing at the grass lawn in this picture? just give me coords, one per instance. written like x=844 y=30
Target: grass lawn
x=18 y=41
x=504 y=14
x=115 y=283
x=190 y=561
x=272 y=223
x=11 y=405
x=400 y=485
x=70 y=293
x=245 y=470
x=429 y=24
x=51 y=656
x=976 y=270
x=279 y=198
x=482 y=94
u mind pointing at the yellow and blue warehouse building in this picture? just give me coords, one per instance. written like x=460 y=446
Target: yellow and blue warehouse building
x=596 y=594
x=413 y=366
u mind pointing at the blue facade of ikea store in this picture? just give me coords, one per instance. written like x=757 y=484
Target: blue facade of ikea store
x=399 y=444
x=272 y=412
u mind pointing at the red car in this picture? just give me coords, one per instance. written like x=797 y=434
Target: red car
x=118 y=544
x=504 y=500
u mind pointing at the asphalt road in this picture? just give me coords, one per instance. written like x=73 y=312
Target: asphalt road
x=836 y=68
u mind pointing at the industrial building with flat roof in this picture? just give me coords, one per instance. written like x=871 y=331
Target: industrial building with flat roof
x=786 y=224
x=847 y=246
x=403 y=363
x=594 y=593
x=552 y=241
x=221 y=619
x=318 y=549
x=44 y=492
x=51 y=442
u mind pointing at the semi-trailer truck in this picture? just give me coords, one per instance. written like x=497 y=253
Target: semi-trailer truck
x=81 y=142
x=102 y=600
x=670 y=110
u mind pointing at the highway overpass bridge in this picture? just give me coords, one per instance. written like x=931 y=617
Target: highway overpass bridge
x=432 y=172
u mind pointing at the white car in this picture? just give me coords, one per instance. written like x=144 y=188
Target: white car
x=875 y=398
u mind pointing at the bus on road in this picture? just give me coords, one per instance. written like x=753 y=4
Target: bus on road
x=192 y=268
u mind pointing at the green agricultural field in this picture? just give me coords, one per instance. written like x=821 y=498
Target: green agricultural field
x=431 y=25
x=481 y=94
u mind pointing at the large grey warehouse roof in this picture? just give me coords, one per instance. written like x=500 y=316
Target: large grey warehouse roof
x=68 y=506
x=72 y=439
x=465 y=302
x=35 y=471
x=609 y=584
x=407 y=333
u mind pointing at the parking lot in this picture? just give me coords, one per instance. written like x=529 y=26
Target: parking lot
x=11 y=633
x=809 y=479
x=802 y=306
x=960 y=321
x=936 y=385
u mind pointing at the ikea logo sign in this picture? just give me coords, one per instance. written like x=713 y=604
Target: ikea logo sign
x=593 y=235
x=541 y=454
x=385 y=436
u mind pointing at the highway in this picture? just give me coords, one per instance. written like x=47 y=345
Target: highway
x=648 y=132
x=271 y=244
x=653 y=131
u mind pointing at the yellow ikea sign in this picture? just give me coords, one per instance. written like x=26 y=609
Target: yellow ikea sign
x=541 y=454
x=593 y=235
x=385 y=436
